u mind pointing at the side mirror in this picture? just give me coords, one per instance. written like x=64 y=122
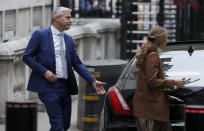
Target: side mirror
x=190 y=50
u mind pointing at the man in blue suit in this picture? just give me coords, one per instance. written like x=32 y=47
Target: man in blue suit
x=51 y=55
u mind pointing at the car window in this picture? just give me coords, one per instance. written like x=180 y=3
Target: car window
x=128 y=77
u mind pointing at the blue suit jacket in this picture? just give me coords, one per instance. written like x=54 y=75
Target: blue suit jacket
x=40 y=57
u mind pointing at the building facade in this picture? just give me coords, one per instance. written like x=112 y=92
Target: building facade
x=18 y=18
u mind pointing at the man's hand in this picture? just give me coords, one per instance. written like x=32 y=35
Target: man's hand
x=50 y=76
x=99 y=87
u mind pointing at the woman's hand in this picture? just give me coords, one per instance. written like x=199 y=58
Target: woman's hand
x=180 y=83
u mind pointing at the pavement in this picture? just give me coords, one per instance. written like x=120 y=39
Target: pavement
x=43 y=122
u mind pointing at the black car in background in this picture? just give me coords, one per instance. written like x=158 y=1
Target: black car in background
x=180 y=60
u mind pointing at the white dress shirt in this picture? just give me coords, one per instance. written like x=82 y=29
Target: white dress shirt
x=61 y=67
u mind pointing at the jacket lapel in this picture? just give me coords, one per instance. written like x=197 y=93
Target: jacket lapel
x=67 y=45
x=51 y=43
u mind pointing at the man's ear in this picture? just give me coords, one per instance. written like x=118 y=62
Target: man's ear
x=57 y=18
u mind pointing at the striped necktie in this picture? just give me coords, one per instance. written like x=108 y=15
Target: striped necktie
x=63 y=55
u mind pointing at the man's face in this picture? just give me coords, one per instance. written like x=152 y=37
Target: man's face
x=64 y=21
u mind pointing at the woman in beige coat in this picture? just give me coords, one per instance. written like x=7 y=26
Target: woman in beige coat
x=150 y=104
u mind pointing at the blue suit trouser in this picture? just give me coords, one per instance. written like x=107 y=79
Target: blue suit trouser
x=58 y=106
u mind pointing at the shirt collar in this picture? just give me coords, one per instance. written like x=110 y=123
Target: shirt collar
x=55 y=31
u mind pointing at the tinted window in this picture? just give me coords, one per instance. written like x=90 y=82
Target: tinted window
x=128 y=77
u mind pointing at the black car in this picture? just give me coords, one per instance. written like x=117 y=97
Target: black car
x=180 y=60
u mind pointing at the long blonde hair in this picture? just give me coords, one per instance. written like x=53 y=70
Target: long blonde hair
x=155 y=37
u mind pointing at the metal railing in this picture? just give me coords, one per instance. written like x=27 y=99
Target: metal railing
x=137 y=18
